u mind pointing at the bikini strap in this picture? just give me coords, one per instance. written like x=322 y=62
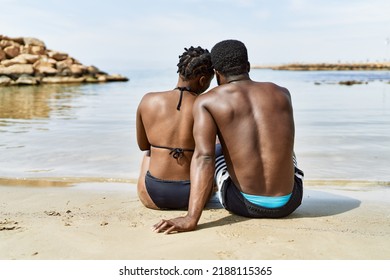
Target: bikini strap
x=181 y=95
x=176 y=153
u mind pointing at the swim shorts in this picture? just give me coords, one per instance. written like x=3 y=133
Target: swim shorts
x=232 y=199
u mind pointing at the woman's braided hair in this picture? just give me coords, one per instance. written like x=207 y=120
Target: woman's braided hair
x=195 y=62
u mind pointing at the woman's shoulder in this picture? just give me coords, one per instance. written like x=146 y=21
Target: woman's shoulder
x=155 y=96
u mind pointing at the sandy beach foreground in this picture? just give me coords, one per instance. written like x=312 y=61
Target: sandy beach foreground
x=98 y=221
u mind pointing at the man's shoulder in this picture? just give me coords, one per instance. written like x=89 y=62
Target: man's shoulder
x=270 y=86
x=203 y=101
x=208 y=96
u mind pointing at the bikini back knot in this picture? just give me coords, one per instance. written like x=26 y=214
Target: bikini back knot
x=177 y=153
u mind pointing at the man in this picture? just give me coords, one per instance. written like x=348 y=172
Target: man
x=256 y=175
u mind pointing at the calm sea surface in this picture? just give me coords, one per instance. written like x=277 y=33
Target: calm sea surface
x=87 y=132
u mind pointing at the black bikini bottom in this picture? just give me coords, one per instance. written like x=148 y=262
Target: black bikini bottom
x=168 y=194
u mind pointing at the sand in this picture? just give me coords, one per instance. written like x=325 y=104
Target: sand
x=106 y=221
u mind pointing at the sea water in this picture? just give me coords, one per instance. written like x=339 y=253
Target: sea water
x=87 y=132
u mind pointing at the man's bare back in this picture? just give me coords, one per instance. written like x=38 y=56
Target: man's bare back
x=256 y=130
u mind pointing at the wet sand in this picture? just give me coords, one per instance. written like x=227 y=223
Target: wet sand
x=95 y=221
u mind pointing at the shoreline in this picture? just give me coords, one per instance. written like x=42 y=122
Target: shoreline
x=105 y=220
x=373 y=66
x=49 y=182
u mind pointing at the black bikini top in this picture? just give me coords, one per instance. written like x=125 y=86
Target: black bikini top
x=182 y=89
x=176 y=153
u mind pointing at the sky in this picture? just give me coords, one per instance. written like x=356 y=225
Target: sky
x=119 y=34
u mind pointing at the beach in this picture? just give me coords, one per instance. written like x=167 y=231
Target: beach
x=70 y=162
x=106 y=221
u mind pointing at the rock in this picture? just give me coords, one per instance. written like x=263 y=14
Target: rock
x=5 y=43
x=12 y=51
x=34 y=42
x=64 y=72
x=42 y=62
x=18 y=40
x=25 y=49
x=93 y=70
x=26 y=80
x=350 y=83
x=116 y=78
x=46 y=59
x=77 y=69
x=30 y=58
x=5 y=81
x=102 y=78
x=91 y=79
x=15 y=60
x=58 y=56
x=17 y=69
x=37 y=50
x=62 y=80
x=64 y=64
x=45 y=69
x=2 y=54
x=63 y=67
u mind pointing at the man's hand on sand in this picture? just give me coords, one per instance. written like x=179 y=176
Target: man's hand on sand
x=174 y=225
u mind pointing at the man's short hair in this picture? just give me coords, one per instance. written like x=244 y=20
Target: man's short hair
x=230 y=57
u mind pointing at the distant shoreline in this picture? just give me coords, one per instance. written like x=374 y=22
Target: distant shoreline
x=377 y=66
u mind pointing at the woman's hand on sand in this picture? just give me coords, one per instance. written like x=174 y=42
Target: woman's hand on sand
x=175 y=225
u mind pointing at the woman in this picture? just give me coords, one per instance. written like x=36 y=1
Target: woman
x=164 y=130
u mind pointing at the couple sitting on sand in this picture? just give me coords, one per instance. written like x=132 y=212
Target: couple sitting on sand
x=253 y=165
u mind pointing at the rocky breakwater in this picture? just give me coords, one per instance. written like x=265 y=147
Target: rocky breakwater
x=27 y=61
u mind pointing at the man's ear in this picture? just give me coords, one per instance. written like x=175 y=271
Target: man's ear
x=218 y=77
x=202 y=80
x=249 y=67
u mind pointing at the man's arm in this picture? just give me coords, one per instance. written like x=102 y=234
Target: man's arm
x=203 y=161
x=202 y=171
